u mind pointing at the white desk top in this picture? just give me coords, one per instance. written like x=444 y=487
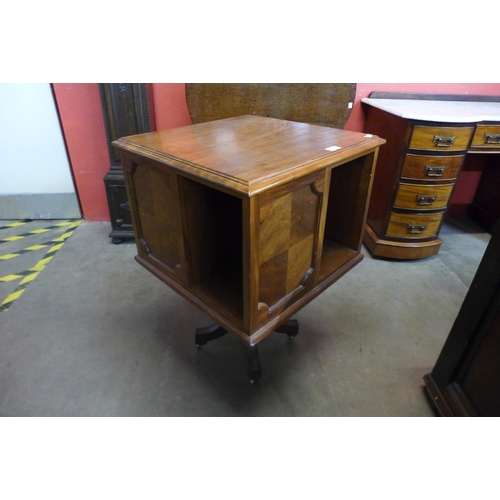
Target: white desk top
x=438 y=111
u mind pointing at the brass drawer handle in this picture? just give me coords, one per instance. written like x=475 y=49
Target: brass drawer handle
x=425 y=201
x=492 y=138
x=443 y=141
x=434 y=171
x=416 y=229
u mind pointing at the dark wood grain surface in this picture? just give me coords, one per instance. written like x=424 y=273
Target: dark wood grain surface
x=317 y=103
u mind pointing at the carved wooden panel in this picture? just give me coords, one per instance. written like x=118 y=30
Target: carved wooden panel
x=288 y=225
x=316 y=103
x=157 y=211
x=126 y=112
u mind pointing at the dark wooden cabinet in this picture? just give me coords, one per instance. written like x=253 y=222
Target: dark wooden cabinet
x=466 y=378
x=485 y=207
x=126 y=111
x=119 y=206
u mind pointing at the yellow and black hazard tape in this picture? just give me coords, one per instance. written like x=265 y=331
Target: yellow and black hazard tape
x=29 y=275
x=45 y=244
x=15 y=224
x=34 y=231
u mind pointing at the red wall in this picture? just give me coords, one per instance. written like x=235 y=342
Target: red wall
x=83 y=127
x=170 y=105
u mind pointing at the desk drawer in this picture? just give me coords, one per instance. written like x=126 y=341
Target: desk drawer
x=414 y=226
x=422 y=196
x=441 y=138
x=432 y=168
x=486 y=136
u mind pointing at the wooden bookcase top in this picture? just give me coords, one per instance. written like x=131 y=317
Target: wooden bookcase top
x=250 y=153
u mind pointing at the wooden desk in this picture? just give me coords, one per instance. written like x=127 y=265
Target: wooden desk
x=428 y=138
x=249 y=218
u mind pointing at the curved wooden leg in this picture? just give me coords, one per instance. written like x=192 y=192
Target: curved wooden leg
x=290 y=328
x=209 y=333
x=255 y=366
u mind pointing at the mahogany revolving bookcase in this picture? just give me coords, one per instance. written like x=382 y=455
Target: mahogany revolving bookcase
x=249 y=218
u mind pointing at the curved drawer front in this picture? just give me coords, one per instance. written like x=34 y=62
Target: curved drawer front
x=422 y=196
x=413 y=226
x=432 y=168
x=486 y=136
x=441 y=138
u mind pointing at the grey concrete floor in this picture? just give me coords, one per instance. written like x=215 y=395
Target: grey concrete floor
x=94 y=334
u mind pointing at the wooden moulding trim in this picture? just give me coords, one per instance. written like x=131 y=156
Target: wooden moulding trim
x=251 y=189
x=436 y=398
x=483 y=149
x=281 y=304
x=270 y=326
x=399 y=250
x=350 y=154
x=449 y=401
x=434 y=97
x=458 y=402
x=196 y=171
x=402 y=244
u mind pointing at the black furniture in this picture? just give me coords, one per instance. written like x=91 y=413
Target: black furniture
x=126 y=111
x=466 y=378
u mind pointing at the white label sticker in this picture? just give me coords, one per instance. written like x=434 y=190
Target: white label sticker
x=332 y=148
x=368 y=135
